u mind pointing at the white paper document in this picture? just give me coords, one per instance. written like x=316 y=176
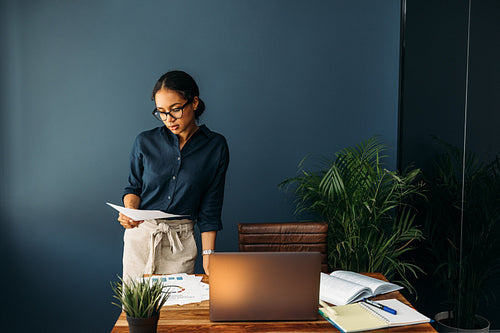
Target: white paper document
x=183 y=288
x=139 y=214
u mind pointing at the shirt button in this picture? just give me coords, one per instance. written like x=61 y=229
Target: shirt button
x=173 y=177
x=178 y=158
x=169 y=197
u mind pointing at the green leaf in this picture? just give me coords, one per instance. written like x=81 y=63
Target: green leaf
x=141 y=298
x=367 y=207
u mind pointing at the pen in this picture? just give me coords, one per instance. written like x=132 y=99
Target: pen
x=380 y=306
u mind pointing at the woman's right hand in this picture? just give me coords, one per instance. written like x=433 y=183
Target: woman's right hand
x=127 y=222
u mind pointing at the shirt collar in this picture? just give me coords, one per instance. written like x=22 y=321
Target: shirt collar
x=203 y=129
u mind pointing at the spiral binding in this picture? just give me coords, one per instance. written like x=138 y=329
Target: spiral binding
x=372 y=310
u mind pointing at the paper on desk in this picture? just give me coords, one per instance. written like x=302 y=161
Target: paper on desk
x=183 y=288
x=139 y=214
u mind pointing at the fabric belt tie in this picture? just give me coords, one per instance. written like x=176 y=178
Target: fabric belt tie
x=156 y=238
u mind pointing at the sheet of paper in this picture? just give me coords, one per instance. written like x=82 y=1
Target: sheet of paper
x=139 y=214
x=405 y=314
x=183 y=288
x=340 y=292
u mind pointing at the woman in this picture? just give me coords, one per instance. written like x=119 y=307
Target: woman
x=178 y=168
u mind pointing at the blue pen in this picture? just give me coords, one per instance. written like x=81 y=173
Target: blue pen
x=380 y=306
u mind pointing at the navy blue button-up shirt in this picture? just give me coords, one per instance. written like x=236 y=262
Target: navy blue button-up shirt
x=185 y=182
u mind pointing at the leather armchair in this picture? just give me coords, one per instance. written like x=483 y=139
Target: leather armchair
x=285 y=237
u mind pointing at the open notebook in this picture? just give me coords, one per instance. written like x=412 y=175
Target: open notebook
x=362 y=317
x=344 y=287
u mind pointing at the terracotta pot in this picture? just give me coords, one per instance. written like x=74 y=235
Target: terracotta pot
x=442 y=318
x=143 y=325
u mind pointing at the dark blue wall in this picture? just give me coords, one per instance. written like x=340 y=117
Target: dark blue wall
x=281 y=79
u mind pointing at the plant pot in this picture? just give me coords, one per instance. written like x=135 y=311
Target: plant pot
x=143 y=325
x=483 y=325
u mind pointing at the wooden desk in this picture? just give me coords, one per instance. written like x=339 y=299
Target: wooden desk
x=194 y=318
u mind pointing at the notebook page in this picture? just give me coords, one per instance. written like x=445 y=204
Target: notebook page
x=376 y=286
x=355 y=318
x=405 y=314
x=339 y=292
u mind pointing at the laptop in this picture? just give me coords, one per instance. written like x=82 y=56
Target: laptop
x=264 y=286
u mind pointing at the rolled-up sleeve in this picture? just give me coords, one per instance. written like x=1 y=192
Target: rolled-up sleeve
x=136 y=169
x=209 y=215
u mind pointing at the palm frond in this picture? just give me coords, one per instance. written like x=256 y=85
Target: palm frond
x=368 y=208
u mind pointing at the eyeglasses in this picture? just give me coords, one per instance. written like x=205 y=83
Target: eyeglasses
x=175 y=113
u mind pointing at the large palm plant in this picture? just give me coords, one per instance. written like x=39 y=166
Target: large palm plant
x=371 y=223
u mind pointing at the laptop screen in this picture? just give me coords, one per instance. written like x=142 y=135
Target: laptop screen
x=248 y=286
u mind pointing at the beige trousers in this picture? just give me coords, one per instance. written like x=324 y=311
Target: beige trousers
x=159 y=247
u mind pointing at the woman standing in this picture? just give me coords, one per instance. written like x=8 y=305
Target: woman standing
x=178 y=168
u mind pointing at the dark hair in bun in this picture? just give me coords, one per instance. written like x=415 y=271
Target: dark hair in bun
x=182 y=83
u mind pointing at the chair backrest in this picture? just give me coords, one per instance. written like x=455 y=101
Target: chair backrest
x=285 y=237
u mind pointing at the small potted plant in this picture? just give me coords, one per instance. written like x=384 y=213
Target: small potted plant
x=141 y=300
